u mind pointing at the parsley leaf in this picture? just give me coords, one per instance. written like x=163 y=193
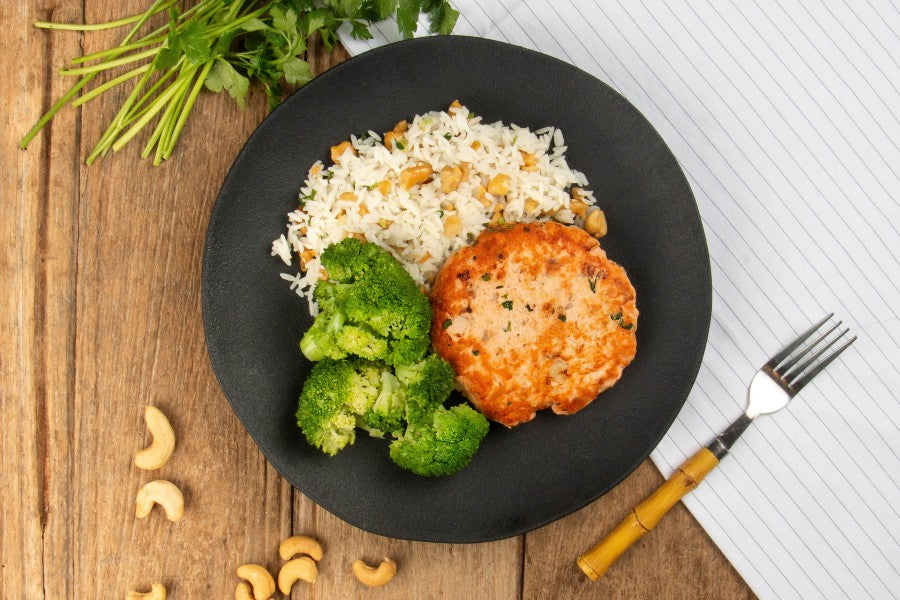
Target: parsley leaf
x=359 y=31
x=442 y=18
x=377 y=10
x=297 y=71
x=224 y=76
x=507 y=305
x=408 y=16
x=448 y=323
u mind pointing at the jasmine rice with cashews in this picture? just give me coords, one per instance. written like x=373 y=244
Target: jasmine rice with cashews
x=426 y=188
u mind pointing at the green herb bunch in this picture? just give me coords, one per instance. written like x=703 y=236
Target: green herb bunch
x=219 y=45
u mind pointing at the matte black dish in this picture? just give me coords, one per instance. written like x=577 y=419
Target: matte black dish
x=521 y=478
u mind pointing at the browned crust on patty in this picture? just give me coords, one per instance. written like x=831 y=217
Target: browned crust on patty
x=556 y=344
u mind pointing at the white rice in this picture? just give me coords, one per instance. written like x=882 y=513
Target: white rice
x=410 y=224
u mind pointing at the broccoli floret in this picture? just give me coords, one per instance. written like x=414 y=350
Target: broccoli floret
x=445 y=445
x=387 y=414
x=369 y=307
x=428 y=384
x=334 y=393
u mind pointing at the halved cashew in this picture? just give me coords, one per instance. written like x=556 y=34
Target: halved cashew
x=162 y=492
x=243 y=591
x=260 y=580
x=157 y=592
x=595 y=223
x=415 y=175
x=160 y=449
x=300 y=544
x=375 y=576
x=300 y=568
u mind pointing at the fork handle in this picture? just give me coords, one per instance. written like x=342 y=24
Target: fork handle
x=647 y=514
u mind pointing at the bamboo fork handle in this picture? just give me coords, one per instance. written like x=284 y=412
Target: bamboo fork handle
x=647 y=514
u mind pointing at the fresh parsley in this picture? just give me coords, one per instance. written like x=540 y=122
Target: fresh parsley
x=220 y=45
x=448 y=323
x=507 y=305
x=486 y=277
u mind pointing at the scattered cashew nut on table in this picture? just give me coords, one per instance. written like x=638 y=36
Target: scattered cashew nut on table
x=260 y=580
x=160 y=449
x=300 y=568
x=300 y=544
x=243 y=591
x=162 y=492
x=157 y=592
x=375 y=576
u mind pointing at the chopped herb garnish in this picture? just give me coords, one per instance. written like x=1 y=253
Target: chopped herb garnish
x=593 y=284
x=528 y=308
x=507 y=305
x=448 y=323
x=508 y=326
x=448 y=135
x=371 y=186
x=499 y=286
x=470 y=236
x=308 y=197
x=441 y=214
x=328 y=175
x=476 y=352
x=399 y=145
x=618 y=318
x=561 y=318
x=486 y=277
x=505 y=296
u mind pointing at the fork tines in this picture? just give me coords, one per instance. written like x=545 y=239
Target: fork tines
x=800 y=361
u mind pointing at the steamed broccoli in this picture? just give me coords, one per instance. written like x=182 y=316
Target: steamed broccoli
x=340 y=395
x=428 y=384
x=335 y=392
x=387 y=413
x=369 y=307
x=443 y=446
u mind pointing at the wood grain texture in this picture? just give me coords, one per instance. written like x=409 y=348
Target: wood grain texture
x=100 y=316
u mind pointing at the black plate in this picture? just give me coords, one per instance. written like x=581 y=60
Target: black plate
x=520 y=478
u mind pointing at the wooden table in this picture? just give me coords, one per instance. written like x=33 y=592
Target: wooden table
x=100 y=316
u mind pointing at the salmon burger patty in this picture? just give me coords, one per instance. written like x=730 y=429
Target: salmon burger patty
x=533 y=315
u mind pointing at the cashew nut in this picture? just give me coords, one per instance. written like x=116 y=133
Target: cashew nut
x=260 y=579
x=157 y=592
x=595 y=223
x=300 y=544
x=243 y=591
x=158 y=452
x=375 y=576
x=300 y=568
x=162 y=492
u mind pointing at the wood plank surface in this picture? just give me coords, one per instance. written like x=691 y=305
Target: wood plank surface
x=100 y=316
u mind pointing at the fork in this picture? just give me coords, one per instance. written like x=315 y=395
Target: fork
x=771 y=389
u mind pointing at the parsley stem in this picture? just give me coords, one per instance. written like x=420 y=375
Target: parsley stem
x=109 y=84
x=158 y=105
x=167 y=121
x=139 y=105
x=234 y=24
x=185 y=111
x=99 y=26
x=45 y=118
x=118 y=50
x=110 y=63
